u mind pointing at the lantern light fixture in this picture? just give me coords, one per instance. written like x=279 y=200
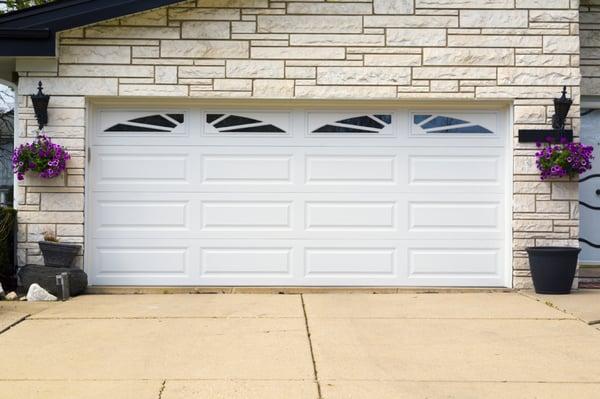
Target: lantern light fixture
x=562 y=106
x=40 y=106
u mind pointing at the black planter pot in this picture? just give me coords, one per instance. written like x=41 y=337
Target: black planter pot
x=57 y=254
x=553 y=268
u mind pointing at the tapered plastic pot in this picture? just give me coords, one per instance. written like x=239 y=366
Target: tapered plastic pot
x=553 y=269
x=58 y=254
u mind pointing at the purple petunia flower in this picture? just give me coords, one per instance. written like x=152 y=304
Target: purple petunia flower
x=564 y=159
x=41 y=156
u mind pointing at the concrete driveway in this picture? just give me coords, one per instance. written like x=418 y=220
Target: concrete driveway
x=332 y=346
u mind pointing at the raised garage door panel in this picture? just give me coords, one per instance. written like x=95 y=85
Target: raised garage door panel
x=234 y=197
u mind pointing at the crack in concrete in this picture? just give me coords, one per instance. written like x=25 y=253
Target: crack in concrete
x=13 y=325
x=162 y=389
x=312 y=352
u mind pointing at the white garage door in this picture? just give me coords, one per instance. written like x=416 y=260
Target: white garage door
x=297 y=197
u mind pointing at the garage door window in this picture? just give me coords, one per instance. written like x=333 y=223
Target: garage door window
x=444 y=124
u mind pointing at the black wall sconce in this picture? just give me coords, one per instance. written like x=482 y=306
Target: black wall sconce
x=40 y=106
x=562 y=106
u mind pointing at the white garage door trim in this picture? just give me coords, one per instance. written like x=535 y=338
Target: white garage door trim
x=328 y=255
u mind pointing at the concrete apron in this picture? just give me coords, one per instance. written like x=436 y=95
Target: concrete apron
x=471 y=345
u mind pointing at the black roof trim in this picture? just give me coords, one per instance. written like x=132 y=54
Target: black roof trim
x=32 y=31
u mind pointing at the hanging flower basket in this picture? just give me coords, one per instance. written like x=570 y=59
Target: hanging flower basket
x=565 y=159
x=42 y=156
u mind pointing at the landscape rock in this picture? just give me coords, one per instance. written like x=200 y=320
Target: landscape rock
x=12 y=296
x=2 y=293
x=38 y=294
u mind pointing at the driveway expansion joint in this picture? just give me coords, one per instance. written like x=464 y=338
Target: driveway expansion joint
x=312 y=352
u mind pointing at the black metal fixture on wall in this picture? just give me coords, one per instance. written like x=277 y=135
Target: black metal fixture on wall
x=40 y=106
x=562 y=106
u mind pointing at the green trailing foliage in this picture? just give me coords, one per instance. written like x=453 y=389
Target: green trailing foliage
x=13 y=5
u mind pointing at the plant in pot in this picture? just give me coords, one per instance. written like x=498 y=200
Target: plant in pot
x=553 y=268
x=57 y=254
x=43 y=157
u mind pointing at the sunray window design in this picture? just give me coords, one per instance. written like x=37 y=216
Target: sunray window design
x=370 y=124
x=440 y=124
x=228 y=123
x=159 y=123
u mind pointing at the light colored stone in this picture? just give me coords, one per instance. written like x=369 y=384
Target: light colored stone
x=486 y=4
x=444 y=85
x=553 y=16
x=538 y=76
x=309 y=24
x=533 y=225
x=542 y=60
x=320 y=8
x=145 y=51
x=340 y=92
x=523 y=203
x=128 y=32
x=11 y=296
x=205 y=30
x=165 y=74
x=493 y=41
x=468 y=56
x=62 y=202
x=154 y=17
x=336 y=40
x=300 y=72
x=392 y=60
x=236 y=3
x=204 y=48
x=364 y=75
x=50 y=217
x=254 y=69
x=530 y=114
x=493 y=19
x=416 y=37
x=413 y=21
x=273 y=88
x=525 y=165
x=298 y=53
x=148 y=91
x=561 y=44
x=72 y=86
x=201 y=72
x=232 y=84
x=69 y=230
x=107 y=70
x=220 y=14
x=394 y=6
x=454 y=73
x=95 y=54
x=542 y=3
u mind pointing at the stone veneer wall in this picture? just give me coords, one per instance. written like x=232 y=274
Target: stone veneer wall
x=514 y=50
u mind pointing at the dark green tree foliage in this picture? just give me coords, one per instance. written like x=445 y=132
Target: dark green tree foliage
x=12 y=5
